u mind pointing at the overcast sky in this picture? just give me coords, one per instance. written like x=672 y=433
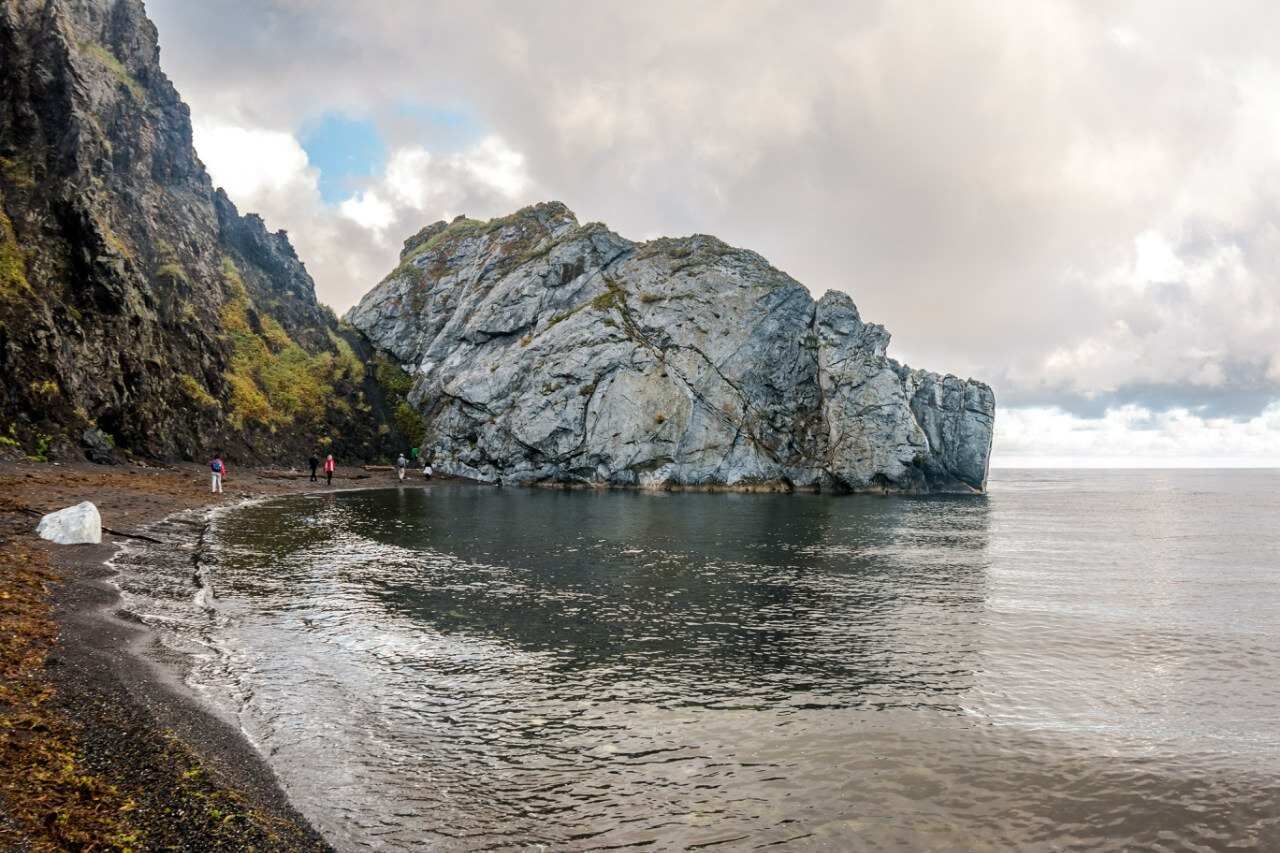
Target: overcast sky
x=1076 y=202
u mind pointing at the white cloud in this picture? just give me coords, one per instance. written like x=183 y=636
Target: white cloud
x=251 y=161
x=407 y=177
x=431 y=184
x=1133 y=436
x=1154 y=261
x=369 y=211
x=498 y=166
x=349 y=246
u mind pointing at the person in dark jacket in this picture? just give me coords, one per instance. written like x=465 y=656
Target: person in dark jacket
x=314 y=463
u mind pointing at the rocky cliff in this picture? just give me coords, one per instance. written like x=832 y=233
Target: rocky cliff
x=543 y=350
x=138 y=308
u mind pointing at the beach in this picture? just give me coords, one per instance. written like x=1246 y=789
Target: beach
x=103 y=749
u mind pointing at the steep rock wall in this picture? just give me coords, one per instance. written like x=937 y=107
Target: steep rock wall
x=138 y=308
x=547 y=351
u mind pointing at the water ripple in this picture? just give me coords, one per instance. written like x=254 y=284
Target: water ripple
x=1079 y=661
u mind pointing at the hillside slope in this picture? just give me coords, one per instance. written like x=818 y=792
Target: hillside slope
x=138 y=308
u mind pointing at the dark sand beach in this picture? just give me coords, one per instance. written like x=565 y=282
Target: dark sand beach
x=102 y=748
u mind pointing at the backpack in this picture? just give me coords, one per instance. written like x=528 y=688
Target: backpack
x=216 y=466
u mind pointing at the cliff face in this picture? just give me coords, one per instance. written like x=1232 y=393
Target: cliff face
x=137 y=306
x=545 y=350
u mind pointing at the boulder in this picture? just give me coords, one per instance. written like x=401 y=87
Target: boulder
x=76 y=525
x=98 y=447
x=546 y=351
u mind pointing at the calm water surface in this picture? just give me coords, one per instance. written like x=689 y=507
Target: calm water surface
x=1079 y=660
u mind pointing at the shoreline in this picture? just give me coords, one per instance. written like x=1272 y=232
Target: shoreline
x=103 y=744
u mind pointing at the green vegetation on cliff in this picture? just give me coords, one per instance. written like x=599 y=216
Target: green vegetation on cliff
x=108 y=59
x=135 y=299
x=13 y=262
x=396 y=384
x=273 y=381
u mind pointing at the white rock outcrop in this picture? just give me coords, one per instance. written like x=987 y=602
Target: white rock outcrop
x=548 y=351
x=76 y=525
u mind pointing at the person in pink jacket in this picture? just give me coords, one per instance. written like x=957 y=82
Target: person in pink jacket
x=329 y=465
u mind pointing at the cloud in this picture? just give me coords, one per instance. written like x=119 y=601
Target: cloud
x=369 y=211
x=351 y=245
x=1134 y=436
x=1079 y=203
x=253 y=162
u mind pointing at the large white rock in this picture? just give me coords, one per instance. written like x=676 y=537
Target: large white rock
x=76 y=525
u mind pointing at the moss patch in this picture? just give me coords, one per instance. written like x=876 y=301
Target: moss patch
x=173 y=272
x=196 y=392
x=463 y=227
x=232 y=282
x=19 y=171
x=13 y=261
x=107 y=59
x=346 y=365
x=44 y=389
x=396 y=383
x=457 y=229
x=614 y=296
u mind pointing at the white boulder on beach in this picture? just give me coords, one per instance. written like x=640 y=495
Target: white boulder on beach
x=76 y=525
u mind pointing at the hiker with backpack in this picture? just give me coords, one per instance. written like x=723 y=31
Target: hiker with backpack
x=218 y=470
x=401 y=464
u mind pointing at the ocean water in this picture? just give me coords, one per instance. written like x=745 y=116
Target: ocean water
x=1079 y=660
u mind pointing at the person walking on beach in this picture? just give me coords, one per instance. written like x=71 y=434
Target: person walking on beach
x=314 y=463
x=329 y=465
x=401 y=464
x=426 y=470
x=217 y=468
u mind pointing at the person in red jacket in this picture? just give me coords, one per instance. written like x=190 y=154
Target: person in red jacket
x=329 y=465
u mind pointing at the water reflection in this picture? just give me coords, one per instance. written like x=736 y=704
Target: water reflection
x=708 y=598
x=469 y=668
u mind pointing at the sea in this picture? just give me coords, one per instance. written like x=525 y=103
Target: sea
x=1078 y=660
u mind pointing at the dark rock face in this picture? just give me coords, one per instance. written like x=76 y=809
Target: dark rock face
x=547 y=351
x=134 y=299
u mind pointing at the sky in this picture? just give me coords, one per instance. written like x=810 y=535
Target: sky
x=1078 y=203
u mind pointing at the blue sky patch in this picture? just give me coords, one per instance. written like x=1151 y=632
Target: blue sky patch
x=346 y=151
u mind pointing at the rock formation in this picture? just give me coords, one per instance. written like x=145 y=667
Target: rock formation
x=547 y=351
x=138 y=309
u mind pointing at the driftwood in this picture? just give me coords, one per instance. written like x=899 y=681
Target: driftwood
x=378 y=467
x=303 y=475
x=283 y=475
